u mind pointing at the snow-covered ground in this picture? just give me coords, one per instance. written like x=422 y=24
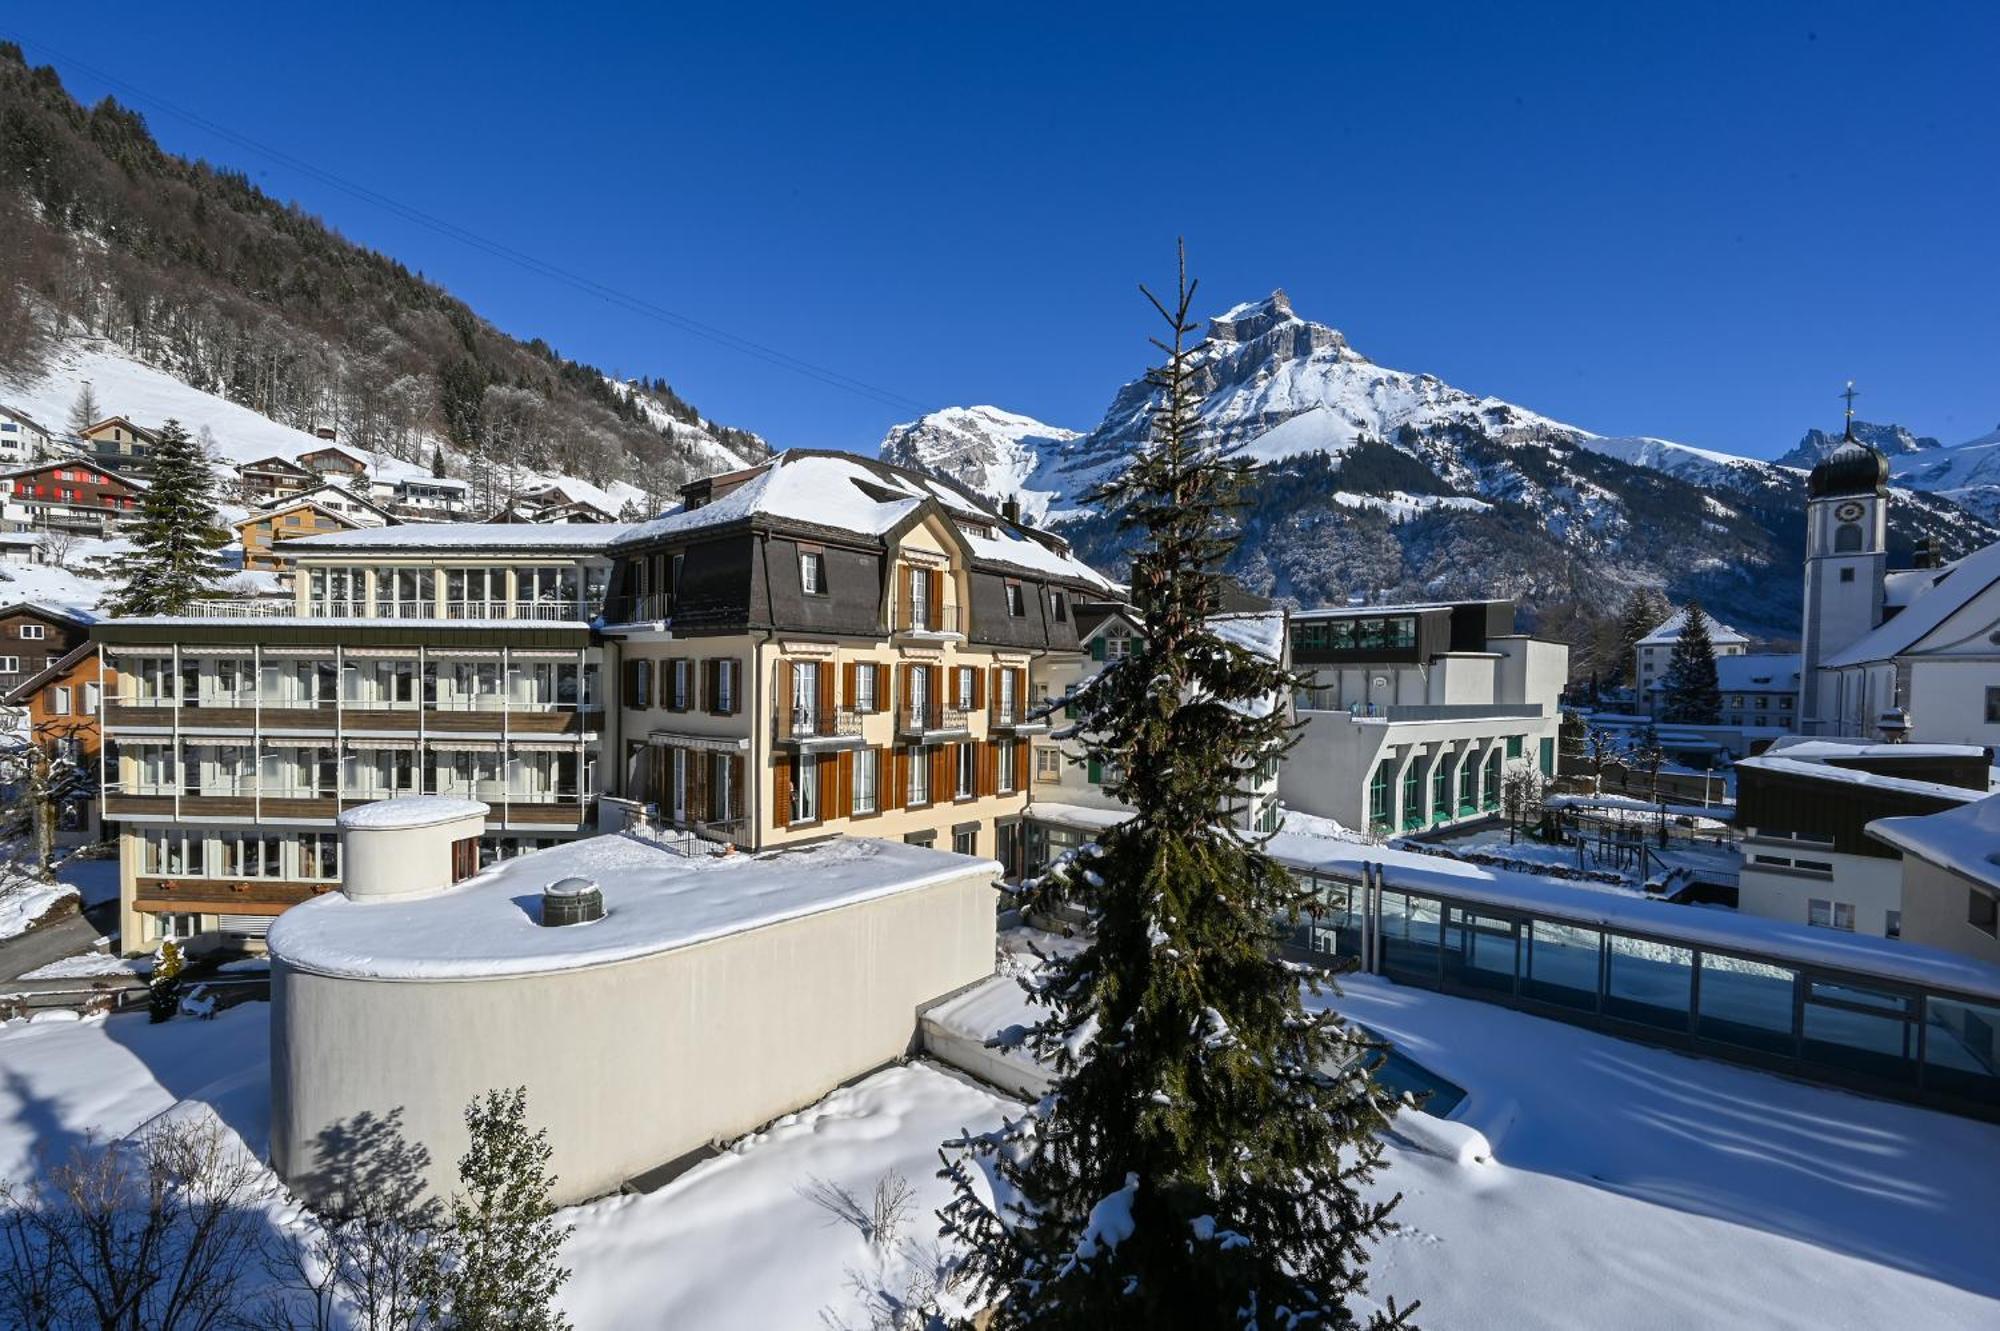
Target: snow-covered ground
x=1630 y=1187
x=24 y=899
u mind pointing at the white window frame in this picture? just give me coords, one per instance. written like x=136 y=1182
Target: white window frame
x=725 y=684
x=864 y=687
x=1007 y=779
x=681 y=672
x=33 y=632
x=1822 y=913
x=1048 y=764
x=805 y=791
x=917 y=758
x=867 y=780
x=965 y=768
x=59 y=700
x=812 y=572
x=10 y=665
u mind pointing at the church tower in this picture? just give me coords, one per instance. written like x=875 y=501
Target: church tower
x=1847 y=551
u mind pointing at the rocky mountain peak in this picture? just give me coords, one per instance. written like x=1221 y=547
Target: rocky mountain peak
x=1889 y=440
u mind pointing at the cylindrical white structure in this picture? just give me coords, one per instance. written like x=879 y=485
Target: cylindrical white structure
x=713 y=995
x=396 y=847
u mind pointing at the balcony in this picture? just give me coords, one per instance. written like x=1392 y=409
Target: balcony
x=1020 y=718
x=652 y=607
x=927 y=621
x=928 y=719
x=557 y=610
x=290 y=803
x=820 y=727
x=224 y=896
x=483 y=716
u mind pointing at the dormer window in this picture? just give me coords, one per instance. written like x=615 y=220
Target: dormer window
x=1059 y=604
x=812 y=572
x=1017 y=601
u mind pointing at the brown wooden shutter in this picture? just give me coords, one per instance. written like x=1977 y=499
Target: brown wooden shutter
x=782 y=704
x=711 y=702
x=736 y=683
x=978 y=688
x=826 y=689
x=942 y=777
x=843 y=784
x=937 y=597
x=893 y=777
x=740 y=796
x=987 y=768
x=902 y=597
x=698 y=803
x=781 y=792
x=902 y=699
x=847 y=684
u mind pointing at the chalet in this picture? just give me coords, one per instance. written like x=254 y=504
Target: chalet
x=559 y=502
x=264 y=532
x=72 y=494
x=35 y=635
x=334 y=462
x=117 y=442
x=339 y=499
x=422 y=496
x=273 y=478
x=64 y=702
x=22 y=439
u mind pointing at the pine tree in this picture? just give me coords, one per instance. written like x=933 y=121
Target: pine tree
x=1201 y=1158
x=172 y=561
x=493 y=1263
x=84 y=412
x=437 y=461
x=1645 y=610
x=1690 y=693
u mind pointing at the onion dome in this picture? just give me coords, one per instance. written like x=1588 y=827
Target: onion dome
x=1852 y=469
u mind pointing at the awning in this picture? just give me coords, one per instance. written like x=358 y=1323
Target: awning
x=706 y=743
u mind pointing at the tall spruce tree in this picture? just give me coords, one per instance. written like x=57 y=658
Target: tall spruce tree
x=1690 y=693
x=172 y=561
x=1645 y=610
x=1201 y=1159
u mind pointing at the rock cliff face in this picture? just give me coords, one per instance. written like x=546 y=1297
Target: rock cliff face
x=1392 y=484
x=1892 y=441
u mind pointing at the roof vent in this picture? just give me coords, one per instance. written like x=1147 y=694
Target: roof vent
x=571 y=901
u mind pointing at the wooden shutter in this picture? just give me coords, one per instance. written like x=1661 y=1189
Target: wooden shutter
x=892 y=778
x=847 y=683
x=937 y=597
x=944 y=781
x=988 y=767
x=1094 y=772
x=978 y=688
x=711 y=699
x=781 y=792
x=782 y=704
x=902 y=699
x=843 y=784
x=902 y=596
x=826 y=690
x=698 y=797
x=1097 y=649
x=740 y=795
x=735 y=685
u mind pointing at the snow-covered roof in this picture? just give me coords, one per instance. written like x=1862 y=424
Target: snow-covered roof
x=577 y=538
x=411 y=811
x=1946 y=597
x=843 y=492
x=1820 y=760
x=1753 y=672
x=1965 y=840
x=655 y=900
x=1410 y=607
x=1261 y=632
x=1668 y=631
x=73 y=614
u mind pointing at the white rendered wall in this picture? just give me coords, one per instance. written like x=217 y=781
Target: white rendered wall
x=632 y=1064
x=1935 y=907
x=1871 y=884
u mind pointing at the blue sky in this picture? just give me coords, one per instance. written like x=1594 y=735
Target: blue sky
x=1688 y=220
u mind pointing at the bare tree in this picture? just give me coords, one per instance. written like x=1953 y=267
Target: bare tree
x=910 y=1280
x=155 y=1233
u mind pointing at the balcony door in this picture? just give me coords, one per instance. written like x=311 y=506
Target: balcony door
x=680 y=785
x=805 y=697
x=920 y=598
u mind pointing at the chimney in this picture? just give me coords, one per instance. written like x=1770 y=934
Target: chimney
x=1926 y=553
x=1010 y=509
x=326 y=432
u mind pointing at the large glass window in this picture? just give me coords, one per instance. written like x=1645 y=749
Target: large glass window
x=1479 y=950
x=1868 y=1031
x=1560 y=964
x=1441 y=790
x=1747 y=1003
x=1649 y=982
x=864 y=780
x=1413 y=795
x=919 y=760
x=1962 y=1048
x=1378 y=791
x=1411 y=929
x=805 y=789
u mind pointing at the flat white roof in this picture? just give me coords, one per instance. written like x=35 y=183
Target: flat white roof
x=411 y=811
x=655 y=900
x=1965 y=840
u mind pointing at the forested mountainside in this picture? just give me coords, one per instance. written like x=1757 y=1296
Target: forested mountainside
x=191 y=268
x=1391 y=485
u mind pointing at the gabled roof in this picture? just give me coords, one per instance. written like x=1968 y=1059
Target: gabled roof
x=69 y=614
x=18 y=695
x=275 y=462
x=269 y=512
x=141 y=431
x=843 y=494
x=72 y=460
x=338 y=489
x=1945 y=597
x=1669 y=631
x=328 y=446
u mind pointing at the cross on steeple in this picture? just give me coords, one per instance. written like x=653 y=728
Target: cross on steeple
x=1850 y=395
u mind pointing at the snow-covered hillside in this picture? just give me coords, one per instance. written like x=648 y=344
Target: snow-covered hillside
x=147 y=395
x=998 y=453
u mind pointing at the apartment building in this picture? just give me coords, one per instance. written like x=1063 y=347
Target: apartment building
x=34 y=635
x=117 y=443
x=267 y=533
x=72 y=494
x=273 y=478
x=448 y=659
x=1412 y=713
x=23 y=438
x=826 y=643
x=1656 y=649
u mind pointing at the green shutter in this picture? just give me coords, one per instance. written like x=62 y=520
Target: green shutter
x=1548 y=757
x=1095 y=770
x=1097 y=649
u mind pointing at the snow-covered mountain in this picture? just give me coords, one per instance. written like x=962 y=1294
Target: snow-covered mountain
x=1393 y=483
x=1892 y=441
x=996 y=452
x=1968 y=474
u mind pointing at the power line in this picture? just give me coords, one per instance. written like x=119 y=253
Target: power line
x=610 y=295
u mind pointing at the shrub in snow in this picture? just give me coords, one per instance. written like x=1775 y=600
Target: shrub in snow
x=165 y=984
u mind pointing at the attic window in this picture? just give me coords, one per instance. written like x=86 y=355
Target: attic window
x=1059 y=601
x=976 y=529
x=812 y=572
x=1017 y=602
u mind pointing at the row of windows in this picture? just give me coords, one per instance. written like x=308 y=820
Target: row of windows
x=859 y=782
x=177 y=853
x=719 y=679
x=1374 y=633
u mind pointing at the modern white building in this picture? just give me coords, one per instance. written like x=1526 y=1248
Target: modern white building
x=23 y=439
x=651 y=1001
x=1805 y=807
x=1951 y=879
x=1414 y=712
